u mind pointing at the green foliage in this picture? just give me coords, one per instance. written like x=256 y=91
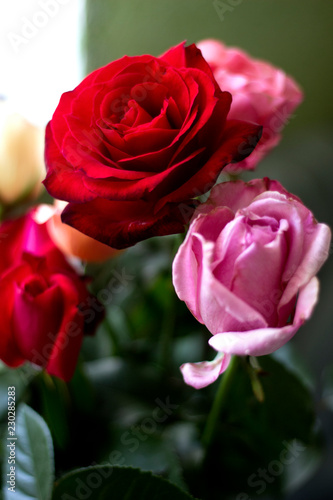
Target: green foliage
x=33 y=450
x=106 y=482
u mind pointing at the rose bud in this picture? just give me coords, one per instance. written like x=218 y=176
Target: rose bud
x=22 y=167
x=260 y=92
x=43 y=296
x=137 y=141
x=247 y=271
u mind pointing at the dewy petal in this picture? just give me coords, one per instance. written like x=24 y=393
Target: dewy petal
x=199 y=375
x=264 y=341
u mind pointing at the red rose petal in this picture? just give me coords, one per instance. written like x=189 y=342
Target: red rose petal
x=121 y=225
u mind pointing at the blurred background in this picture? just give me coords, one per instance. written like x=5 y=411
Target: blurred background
x=49 y=45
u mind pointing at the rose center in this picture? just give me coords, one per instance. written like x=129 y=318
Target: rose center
x=35 y=285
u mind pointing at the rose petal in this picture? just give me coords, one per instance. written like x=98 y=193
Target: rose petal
x=35 y=320
x=199 y=375
x=220 y=309
x=316 y=251
x=260 y=342
x=238 y=140
x=121 y=225
x=68 y=338
x=9 y=350
x=187 y=265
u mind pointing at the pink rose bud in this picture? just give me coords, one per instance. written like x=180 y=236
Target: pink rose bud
x=247 y=270
x=260 y=92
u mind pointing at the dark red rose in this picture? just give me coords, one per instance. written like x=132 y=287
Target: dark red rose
x=134 y=144
x=40 y=295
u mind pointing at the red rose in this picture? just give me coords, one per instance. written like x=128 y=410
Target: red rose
x=40 y=321
x=137 y=141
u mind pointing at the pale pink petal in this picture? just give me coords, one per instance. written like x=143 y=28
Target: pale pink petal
x=264 y=341
x=257 y=342
x=316 y=253
x=186 y=272
x=258 y=269
x=187 y=265
x=220 y=309
x=307 y=299
x=199 y=375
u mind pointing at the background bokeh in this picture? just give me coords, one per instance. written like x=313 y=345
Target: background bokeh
x=298 y=37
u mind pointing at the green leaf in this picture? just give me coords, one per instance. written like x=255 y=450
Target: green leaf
x=107 y=482
x=34 y=467
x=150 y=453
x=19 y=378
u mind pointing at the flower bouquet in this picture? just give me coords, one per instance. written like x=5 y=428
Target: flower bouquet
x=148 y=255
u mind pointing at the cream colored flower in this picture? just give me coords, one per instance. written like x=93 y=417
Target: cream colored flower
x=21 y=157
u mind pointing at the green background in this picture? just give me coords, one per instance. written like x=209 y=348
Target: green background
x=296 y=35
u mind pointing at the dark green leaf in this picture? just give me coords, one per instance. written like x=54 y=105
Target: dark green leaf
x=143 y=447
x=107 y=483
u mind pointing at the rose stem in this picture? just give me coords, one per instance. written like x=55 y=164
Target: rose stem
x=222 y=392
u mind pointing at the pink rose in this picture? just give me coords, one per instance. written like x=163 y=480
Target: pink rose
x=247 y=271
x=260 y=93
x=41 y=295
